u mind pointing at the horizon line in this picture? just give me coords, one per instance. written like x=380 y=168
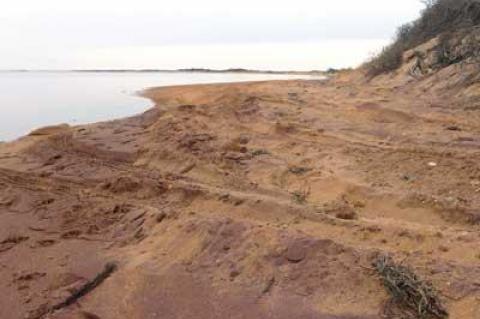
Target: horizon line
x=204 y=70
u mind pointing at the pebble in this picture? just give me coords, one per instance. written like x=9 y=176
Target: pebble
x=160 y=217
x=296 y=252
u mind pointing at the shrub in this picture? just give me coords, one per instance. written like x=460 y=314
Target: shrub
x=439 y=17
x=388 y=60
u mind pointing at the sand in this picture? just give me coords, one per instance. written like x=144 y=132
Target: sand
x=251 y=200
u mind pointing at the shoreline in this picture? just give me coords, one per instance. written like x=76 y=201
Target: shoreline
x=219 y=84
x=122 y=92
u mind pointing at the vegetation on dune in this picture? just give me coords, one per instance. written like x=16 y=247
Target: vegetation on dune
x=410 y=296
x=440 y=18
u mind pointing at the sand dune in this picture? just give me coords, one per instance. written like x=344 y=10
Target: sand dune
x=253 y=200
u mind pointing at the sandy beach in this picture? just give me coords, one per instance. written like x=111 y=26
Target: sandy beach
x=249 y=200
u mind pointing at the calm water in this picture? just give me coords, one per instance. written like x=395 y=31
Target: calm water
x=30 y=100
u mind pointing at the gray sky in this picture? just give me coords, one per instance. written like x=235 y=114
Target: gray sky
x=265 y=34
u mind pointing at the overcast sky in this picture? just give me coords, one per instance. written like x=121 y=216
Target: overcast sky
x=263 y=34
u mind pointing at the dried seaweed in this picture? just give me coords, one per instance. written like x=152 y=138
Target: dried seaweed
x=410 y=297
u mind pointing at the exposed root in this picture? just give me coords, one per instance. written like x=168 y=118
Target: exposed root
x=85 y=289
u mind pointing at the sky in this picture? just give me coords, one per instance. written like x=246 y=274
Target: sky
x=159 y=34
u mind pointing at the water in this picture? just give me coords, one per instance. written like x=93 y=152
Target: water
x=29 y=100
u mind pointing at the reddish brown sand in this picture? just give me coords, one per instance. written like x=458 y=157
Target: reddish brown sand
x=254 y=200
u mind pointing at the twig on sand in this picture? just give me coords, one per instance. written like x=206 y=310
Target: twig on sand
x=109 y=269
x=410 y=297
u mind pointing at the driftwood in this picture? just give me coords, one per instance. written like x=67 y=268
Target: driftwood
x=411 y=298
x=89 y=286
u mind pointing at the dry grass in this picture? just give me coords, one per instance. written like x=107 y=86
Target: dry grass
x=439 y=17
x=410 y=297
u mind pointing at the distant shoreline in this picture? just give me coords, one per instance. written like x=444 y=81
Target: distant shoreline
x=190 y=70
